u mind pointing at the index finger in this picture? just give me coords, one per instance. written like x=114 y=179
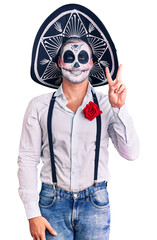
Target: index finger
x=109 y=79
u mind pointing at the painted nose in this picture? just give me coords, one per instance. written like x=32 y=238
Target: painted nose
x=76 y=65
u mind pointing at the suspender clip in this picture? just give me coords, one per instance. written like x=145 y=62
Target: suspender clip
x=54 y=185
x=95 y=183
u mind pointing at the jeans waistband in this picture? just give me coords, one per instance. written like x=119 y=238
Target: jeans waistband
x=72 y=194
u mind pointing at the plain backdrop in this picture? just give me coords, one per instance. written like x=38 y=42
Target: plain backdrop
x=132 y=188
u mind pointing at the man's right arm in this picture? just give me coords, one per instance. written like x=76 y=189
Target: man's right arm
x=28 y=159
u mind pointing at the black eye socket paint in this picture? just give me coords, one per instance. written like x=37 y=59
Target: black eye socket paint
x=68 y=57
x=83 y=57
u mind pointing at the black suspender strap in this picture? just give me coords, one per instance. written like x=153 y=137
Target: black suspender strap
x=49 y=127
x=98 y=136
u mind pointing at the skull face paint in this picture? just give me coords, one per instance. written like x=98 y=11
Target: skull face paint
x=76 y=61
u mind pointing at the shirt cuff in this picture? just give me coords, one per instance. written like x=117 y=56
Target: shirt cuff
x=32 y=210
x=115 y=111
x=122 y=117
x=121 y=113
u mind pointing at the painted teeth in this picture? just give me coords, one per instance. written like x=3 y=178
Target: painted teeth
x=75 y=71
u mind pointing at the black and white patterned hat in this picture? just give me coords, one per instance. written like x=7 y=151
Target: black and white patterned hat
x=72 y=21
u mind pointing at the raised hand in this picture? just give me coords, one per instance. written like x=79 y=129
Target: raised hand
x=117 y=90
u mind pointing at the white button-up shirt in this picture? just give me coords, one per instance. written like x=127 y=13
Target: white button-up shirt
x=74 y=138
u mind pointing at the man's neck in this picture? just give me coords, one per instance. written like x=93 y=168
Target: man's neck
x=73 y=91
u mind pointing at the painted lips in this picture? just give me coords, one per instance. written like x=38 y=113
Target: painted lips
x=75 y=72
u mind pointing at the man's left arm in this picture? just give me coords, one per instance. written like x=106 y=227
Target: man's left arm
x=123 y=134
x=121 y=128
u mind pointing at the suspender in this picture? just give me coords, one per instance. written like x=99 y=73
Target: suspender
x=98 y=135
x=49 y=127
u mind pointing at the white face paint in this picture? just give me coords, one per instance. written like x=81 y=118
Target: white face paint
x=76 y=61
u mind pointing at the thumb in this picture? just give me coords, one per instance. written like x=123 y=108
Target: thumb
x=51 y=230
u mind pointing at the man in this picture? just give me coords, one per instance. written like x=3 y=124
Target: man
x=70 y=205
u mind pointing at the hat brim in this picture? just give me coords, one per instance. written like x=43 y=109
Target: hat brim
x=68 y=21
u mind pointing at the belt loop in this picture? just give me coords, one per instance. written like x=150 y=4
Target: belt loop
x=87 y=194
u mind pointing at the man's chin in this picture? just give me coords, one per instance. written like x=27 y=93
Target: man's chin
x=74 y=79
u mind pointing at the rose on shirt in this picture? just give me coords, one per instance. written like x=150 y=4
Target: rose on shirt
x=91 y=111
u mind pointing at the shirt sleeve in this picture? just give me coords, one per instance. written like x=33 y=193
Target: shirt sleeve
x=123 y=134
x=28 y=159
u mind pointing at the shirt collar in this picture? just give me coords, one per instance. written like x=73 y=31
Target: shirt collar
x=62 y=101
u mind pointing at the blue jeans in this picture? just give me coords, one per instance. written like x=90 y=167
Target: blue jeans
x=83 y=215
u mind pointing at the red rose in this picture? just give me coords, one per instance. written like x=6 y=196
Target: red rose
x=91 y=111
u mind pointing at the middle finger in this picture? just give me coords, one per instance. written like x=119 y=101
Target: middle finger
x=118 y=76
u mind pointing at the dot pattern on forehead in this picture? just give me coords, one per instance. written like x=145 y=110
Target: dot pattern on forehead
x=76 y=47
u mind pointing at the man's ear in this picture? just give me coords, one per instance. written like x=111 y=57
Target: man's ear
x=91 y=62
x=59 y=62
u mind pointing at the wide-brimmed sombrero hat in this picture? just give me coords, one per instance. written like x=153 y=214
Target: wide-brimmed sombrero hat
x=72 y=21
